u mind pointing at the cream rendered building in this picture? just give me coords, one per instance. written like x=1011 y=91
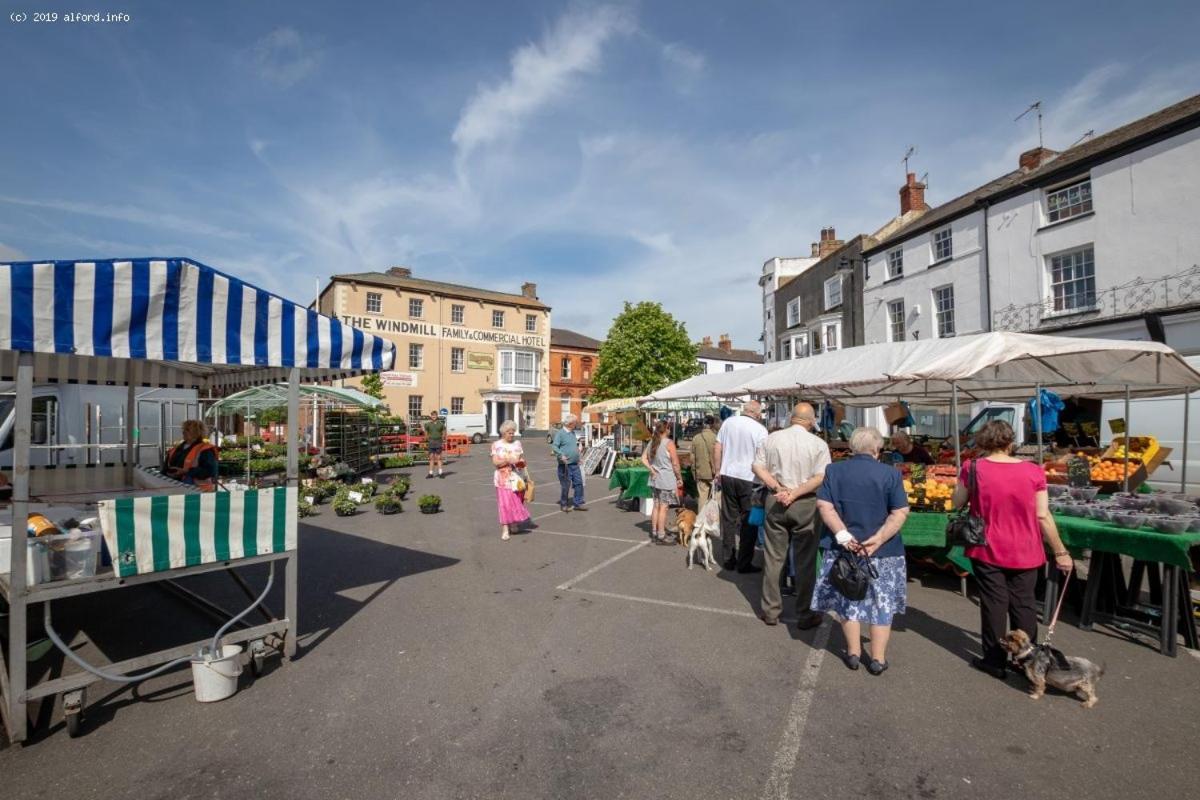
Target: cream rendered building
x=461 y=349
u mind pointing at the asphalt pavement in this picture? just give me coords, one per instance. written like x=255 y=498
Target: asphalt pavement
x=578 y=661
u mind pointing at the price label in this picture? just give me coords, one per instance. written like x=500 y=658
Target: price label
x=308 y=498
x=1079 y=472
x=367 y=480
x=355 y=496
x=1117 y=426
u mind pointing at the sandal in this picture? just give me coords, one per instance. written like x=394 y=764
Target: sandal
x=851 y=660
x=876 y=667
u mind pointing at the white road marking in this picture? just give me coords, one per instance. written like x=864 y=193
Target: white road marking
x=668 y=603
x=588 y=503
x=778 y=786
x=539 y=531
x=1193 y=653
x=602 y=565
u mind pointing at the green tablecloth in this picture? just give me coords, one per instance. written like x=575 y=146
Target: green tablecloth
x=634 y=482
x=928 y=529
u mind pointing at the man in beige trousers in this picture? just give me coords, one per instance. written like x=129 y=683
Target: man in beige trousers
x=703 y=444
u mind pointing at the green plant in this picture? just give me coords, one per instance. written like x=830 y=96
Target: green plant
x=345 y=507
x=429 y=501
x=399 y=487
x=396 y=462
x=304 y=509
x=367 y=490
x=388 y=504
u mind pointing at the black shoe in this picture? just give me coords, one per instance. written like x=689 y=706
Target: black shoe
x=750 y=570
x=581 y=508
x=809 y=622
x=730 y=563
x=428 y=476
x=442 y=475
x=876 y=667
x=787 y=591
x=997 y=671
x=850 y=660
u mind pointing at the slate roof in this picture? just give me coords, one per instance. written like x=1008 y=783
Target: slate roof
x=448 y=289
x=561 y=337
x=717 y=354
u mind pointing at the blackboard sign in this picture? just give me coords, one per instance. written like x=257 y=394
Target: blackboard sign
x=592 y=458
x=1079 y=472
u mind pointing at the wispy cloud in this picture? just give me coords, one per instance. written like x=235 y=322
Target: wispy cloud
x=283 y=57
x=540 y=73
x=133 y=214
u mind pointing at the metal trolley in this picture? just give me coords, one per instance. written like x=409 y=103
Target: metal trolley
x=142 y=323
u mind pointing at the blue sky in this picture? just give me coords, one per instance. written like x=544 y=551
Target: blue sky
x=608 y=152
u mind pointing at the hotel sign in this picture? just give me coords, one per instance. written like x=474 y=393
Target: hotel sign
x=452 y=333
x=477 y=360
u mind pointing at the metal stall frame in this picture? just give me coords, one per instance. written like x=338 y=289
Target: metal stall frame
x=320 y=361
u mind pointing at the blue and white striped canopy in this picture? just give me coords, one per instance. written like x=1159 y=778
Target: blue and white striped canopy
x=176 y=312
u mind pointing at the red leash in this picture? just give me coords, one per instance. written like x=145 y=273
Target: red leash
x=1054 y=620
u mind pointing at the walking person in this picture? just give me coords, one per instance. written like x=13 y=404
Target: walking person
x=508 y=457
x=1015 y=508
x=703 y=459
x=435 y=439
x=863 y=503
x=666 y=479
x=565 y=446
x=791 y=463
x=736 y=446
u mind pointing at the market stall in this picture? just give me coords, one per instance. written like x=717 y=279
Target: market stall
x=149 y=323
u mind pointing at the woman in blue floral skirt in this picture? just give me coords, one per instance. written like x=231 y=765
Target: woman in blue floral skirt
x=863 y=504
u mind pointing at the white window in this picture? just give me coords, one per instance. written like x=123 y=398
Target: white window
x=895 y=321
x=943 y=245
x=374 y=303
x=587 y=368
x=416 y=355
x=530 y=408
x=531 y=323
x=787 y=350
x=800 y=346
x=833 y=292
x=1069 y=201
x=564 y=405
x=565 y=370
x=1073 y=280
x=497 y=319
x=703 y=367
x=814 y=336
x=518 y=368
x=457 y=359
x=729 y=367
x=416 y=307
x=943 y=309
x=415 y=402
x=456 y=405
x=895 y=268
x=456 y=314
x=793 y=312
x=833 y=335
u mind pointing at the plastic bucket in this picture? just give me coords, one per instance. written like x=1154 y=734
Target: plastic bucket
x=217 y=678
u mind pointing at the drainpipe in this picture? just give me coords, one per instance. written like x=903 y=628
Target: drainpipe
x=987 y=271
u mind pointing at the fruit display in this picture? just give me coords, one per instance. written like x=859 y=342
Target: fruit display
x=1142 y=448
x=1106 y=471
x=929 y=488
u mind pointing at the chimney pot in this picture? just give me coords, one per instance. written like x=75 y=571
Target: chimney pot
x=706 y=341
x=829 y=242
x=912 y=194
x=399 y=272
x=725 y=343
x=529 y=290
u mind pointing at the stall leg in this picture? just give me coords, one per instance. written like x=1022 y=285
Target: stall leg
x=73 y=705
x=18 y=634
x=290 y=604
x=1169 y=626
x=1095 y=576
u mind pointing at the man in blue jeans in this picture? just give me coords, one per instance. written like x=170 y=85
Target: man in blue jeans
x=565 y=447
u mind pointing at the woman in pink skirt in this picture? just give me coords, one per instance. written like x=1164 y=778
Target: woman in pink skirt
x=507 y=456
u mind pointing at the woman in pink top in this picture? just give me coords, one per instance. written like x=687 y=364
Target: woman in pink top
x=1015 y=508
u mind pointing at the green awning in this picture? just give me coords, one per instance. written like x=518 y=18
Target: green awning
x=260 y=398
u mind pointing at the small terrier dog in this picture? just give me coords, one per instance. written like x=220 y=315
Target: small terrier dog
x=699 y=531
x=1046 y=665
x=685 y=520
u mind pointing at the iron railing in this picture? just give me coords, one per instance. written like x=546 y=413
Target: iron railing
x=1138 y=296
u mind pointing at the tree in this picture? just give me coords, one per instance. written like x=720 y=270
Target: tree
x=646 y=349
x=372 y=385
x=272 y=416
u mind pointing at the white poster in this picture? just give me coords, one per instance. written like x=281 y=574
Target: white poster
x=407 y=380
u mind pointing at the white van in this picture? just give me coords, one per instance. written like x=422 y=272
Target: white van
x=473 y=425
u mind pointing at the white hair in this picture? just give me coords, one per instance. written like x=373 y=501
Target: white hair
x=506 y=426
x=569 y=418
x=866 y=440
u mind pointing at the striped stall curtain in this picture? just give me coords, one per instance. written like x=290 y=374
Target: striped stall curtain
x=164 y=532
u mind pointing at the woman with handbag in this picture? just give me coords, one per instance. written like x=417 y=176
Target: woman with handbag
x=666 y=479
x=863 y=577
x=508 y=457
x=1009 y=496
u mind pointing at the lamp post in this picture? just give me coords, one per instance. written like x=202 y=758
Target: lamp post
x=845 y=269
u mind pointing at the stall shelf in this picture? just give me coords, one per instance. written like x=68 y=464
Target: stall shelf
x=155 y=322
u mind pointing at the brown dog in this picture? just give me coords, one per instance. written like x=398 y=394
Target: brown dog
x=685 y=519
x=1046 y=666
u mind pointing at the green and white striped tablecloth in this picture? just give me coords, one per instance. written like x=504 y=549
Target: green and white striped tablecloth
x=153 y=534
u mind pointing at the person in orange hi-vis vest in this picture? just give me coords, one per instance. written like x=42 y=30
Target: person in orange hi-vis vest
x=194 y=460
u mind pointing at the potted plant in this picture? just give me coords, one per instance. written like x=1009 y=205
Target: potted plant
x=430 y=503
x=388 y=503
x=399 y=487
x=304 y=509
x=345 y=507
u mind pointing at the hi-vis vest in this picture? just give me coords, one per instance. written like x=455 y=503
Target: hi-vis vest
x=207 y=484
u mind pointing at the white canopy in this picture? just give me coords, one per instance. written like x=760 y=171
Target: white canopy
x=721 y=384
x=986 y=366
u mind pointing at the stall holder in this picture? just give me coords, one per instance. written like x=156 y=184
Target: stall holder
x=155 y=323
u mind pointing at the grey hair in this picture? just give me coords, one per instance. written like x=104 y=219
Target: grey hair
x=569 y=418
x=866 y=440
x=506 y=426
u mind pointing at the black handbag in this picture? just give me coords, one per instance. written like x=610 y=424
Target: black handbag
x=851 y=574
x=964 y=528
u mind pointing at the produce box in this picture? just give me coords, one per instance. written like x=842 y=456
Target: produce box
x=1108 y=474
x=1145 y=450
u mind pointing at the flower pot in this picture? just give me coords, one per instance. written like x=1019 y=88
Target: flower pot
x=430 y=509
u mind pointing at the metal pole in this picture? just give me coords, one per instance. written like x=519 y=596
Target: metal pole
x=18 y=720
x=131 y=431
x=291 y=573
x=1125 y=480
x=1037 y=422
x=954 y=422
x=293 y=428
x=1187 y=405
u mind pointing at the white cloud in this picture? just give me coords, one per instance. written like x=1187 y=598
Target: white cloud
x=284 y=58
x=683 y=58
x=133 y=214
x=541 y=73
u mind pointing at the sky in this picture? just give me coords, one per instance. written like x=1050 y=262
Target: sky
x=656 y=150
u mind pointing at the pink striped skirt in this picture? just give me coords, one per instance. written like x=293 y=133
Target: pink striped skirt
x=511 y=506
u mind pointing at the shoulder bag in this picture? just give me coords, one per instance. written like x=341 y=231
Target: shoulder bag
x=851 y=574
x=965 y=528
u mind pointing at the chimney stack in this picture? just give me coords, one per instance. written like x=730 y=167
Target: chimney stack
x=1032 y=159
x=399 y=272
x=529 y=290
x=912 y=195
x=829 y=242
x=724 y=343
x=706 y=341
x=816 y=250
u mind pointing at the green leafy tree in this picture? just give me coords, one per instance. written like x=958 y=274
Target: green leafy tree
x=272 y=416
x=372 y=385
x=646 y=349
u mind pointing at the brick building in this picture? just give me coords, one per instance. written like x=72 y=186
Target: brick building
x=573 y=361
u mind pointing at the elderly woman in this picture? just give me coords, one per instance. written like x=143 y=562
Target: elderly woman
x=1015 y=508
x=862 y=502
x=508 y=457
x=194 y=460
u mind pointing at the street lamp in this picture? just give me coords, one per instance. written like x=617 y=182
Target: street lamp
x=845 y=269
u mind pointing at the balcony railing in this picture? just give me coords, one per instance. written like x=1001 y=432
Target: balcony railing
x=1136 y=297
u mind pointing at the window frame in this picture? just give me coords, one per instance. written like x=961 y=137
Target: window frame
x=728 y=367
x=939 y=320
x=461 y=352
x=460 y=402
x=564 y=369
x=378 y=298
x=895 y=264
x=793 y=320
x=902 y=321
x=457 y=310
x=417 y=303
x=835 y=326
x=513 y=369
x=420 y=412
x=1069 y=210
x=564 y=404
x=786 y=350
x=497 y=314
x=947 y=234
x=531 y=323
x=419 y=362
x=835 y=280
x=1053 y=302
x=703 y=367
x=801 y=338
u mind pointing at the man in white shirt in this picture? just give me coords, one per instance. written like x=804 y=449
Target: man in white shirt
x=733 y=455
x=791 y=463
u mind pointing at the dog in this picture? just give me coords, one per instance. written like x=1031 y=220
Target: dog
x=1048 y=666
x=704 y=526
x=685 y=521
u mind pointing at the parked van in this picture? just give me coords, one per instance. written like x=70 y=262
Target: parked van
x=473 y=425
